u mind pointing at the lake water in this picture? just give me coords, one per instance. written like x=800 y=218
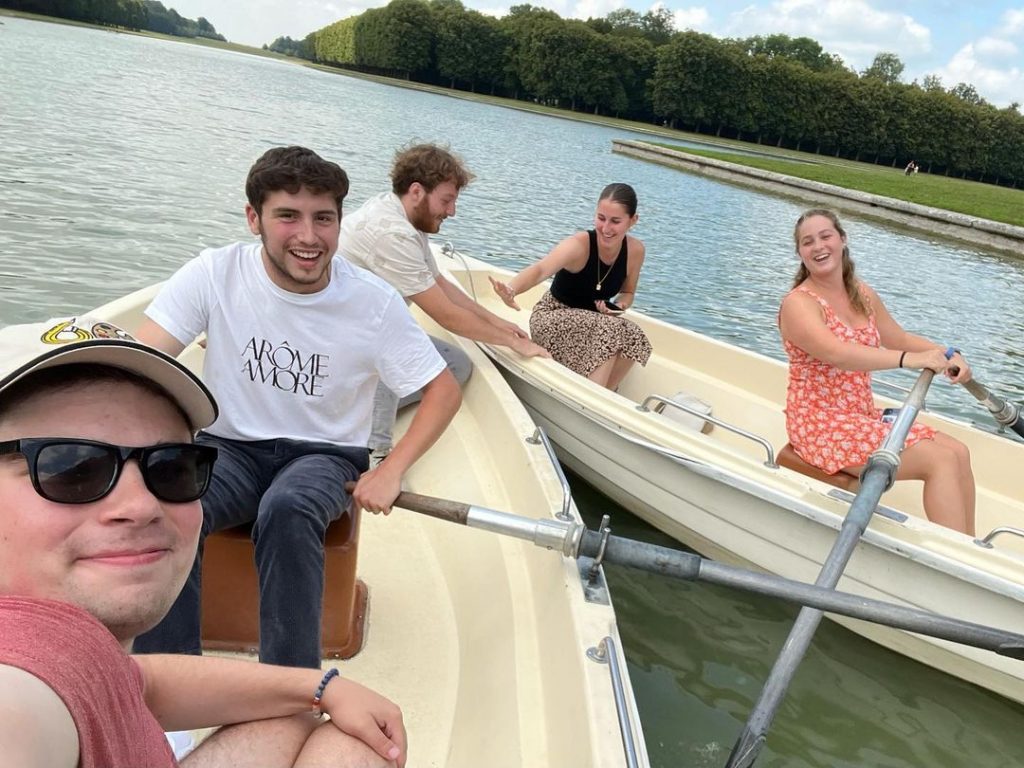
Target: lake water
x=122 y=156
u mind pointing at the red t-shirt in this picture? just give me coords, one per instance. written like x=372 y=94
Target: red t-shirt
x=98 y=682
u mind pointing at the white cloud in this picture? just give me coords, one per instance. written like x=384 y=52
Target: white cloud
x=1000 y=85
x=497 y=11
x=854 y=29
x=683 y=18
x=992 y=63
x=1013 y=22
x=996 y=48
x=597 y=9
x=691 y=18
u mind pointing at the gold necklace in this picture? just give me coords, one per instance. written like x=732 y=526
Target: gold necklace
x=607 y=271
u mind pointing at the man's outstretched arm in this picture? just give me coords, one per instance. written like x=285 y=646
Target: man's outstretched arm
x=473 y=325
x=463 y=300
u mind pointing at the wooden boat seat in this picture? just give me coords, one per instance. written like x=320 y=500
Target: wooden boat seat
x=230 y=593
x=789 y=459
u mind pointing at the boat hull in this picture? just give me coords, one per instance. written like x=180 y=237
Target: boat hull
x=481 y=639
x=715 y=494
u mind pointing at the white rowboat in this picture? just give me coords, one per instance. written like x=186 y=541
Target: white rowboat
x=487 y=643
x=722 y=492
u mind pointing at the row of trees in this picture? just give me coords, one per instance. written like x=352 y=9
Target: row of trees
x=148 y=15
x=709 y=85
x=769 y=89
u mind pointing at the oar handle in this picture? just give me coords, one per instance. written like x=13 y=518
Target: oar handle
x=443 y=509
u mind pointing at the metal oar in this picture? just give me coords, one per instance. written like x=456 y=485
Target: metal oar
x=878 y=476
x=574 y=540
x=1005 y=413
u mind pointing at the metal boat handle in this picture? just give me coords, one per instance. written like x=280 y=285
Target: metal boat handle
x=891 y=385
x=605 y=653
x=539 y=436
x=718 y=422
x=987 y=541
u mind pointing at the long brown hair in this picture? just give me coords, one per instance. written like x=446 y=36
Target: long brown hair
x=850 y=282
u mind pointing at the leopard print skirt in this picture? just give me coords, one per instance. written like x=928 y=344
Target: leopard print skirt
x=581 y=340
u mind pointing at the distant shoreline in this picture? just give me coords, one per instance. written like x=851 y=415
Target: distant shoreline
x=960 y=226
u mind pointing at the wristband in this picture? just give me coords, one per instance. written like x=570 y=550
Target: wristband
x=950 y=351
x=329 y=675
x=902 y=355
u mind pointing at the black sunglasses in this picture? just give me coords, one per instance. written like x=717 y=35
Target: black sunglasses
x=71 y=471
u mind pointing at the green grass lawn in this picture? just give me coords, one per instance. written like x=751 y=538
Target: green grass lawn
x=983 y=200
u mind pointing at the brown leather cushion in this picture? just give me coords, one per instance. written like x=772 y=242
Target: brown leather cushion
x=789 y=459
x=230 y=592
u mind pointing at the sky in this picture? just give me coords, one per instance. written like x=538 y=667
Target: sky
x=980 y=42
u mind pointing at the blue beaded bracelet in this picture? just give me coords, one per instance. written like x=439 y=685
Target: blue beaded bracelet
x=329 y=675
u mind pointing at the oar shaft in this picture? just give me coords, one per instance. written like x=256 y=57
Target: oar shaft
x=1004 y=412
x=691 y=567
x=573 y=540
x=878 y=476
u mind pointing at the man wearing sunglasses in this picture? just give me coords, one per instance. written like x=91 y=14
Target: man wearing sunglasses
x=297 y=341
x=100 y=482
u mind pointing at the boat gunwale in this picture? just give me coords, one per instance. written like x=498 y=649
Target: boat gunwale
x=917 y=553
x=534 y=375
x=589 y=621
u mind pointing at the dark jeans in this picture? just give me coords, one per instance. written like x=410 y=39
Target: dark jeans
x=290 y=490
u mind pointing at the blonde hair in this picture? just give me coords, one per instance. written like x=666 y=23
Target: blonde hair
x=850 y=282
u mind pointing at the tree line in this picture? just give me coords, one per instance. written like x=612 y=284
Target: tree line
x=149 y=15
x=770 y=89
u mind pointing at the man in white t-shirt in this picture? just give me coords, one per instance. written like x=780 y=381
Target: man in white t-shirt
x=388 y=236
x=297 y=341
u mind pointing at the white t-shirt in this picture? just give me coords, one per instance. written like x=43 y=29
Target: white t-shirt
x=301 y=366
x=379 y=237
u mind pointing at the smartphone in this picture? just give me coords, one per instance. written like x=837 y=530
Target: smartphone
x=611 y=306
x=889 y=415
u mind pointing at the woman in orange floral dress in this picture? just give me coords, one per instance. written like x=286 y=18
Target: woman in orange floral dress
x=836 y=330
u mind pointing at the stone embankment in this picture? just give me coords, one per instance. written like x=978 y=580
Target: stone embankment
x=971 y=229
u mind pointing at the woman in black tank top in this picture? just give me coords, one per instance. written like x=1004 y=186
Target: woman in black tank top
x=595 y=279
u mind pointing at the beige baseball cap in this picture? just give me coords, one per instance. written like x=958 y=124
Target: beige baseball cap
x=25 y=349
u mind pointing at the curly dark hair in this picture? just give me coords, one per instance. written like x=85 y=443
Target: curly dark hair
x=290 y=169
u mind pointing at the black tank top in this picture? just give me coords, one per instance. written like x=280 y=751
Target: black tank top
x=578 y=289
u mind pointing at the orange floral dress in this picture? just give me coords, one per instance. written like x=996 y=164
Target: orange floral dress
x=831 y=416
